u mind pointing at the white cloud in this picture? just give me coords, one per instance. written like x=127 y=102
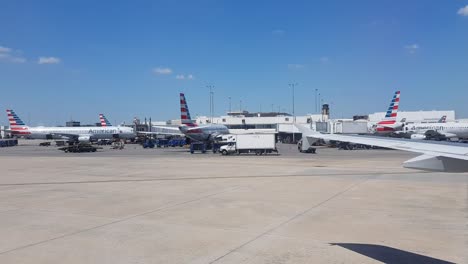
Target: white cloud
x=48 y=60
x=324 y=60
x=162 y=71
x=4 y=49
x=412 y=48
x=295 y=66
x=278 y=32
x=7 y=54
x=463 y=11
x=185 y=77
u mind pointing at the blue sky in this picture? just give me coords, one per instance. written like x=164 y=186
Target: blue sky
x=76 y=59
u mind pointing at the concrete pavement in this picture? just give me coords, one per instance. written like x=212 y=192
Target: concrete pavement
x=167 y=206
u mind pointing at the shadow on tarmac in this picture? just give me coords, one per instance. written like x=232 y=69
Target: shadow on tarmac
x=389 y=255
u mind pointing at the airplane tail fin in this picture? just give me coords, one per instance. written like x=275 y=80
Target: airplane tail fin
x=184 y=112
x=393 y=108
x=14 y=120
x=443 y=119
x=104 y=121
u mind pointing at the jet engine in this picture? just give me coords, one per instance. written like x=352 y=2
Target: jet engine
x=84 y=138
x=418 y=136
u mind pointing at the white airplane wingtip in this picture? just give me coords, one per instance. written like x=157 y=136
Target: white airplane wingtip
x=436 y=163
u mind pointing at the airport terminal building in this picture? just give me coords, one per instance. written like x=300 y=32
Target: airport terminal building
x=417 y=116
x=281 y=123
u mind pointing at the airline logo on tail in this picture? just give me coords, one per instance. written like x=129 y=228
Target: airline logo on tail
x=184 y=112
x=16 y=124
x=443 y=119
x=104 y=121
x=389 y=123
x=14 y=119
x=393 y=108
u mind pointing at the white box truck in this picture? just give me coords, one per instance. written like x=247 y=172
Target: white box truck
x=351 y=127
x=262 y=143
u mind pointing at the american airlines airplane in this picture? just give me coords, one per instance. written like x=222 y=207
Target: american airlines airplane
x=435 y=156
x=188 y=128
x=446 y=130
x=81 y=134
x=390 y=124
x=205 y=133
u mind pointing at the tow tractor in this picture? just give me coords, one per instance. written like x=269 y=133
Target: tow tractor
x=80 y=147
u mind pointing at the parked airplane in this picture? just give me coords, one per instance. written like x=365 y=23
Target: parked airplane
x=104 y=121
x=390 y=124
x=450 y=130
x=205 y=133
x=436 y=156
x=81 y=134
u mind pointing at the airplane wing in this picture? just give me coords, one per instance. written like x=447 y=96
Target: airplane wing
x=436 y=156
x=84 y=137
x=163 y=130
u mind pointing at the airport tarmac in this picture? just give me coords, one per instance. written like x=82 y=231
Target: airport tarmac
x=168 y=206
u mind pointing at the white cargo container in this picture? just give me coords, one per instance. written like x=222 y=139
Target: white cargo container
x=351 y=127
x=259 y=144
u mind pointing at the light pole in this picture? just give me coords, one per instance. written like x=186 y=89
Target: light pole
x=319 y=102
x=211 y=102
x=316 y=109
x=212 y=106
x=230 y=110
x=240 y=106
x=293 y=86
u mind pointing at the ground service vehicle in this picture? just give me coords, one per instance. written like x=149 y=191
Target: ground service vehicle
x=305 y=148
x=80 y=147
x=148 y=143
x=8 y=142
x=249 y=143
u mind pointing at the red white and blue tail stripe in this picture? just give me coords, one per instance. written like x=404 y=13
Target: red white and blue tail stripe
x=393 y=108
x=104 y=121
x=14 y=119
x=389 y=123
x=443 y=119
x=17 y=126
x=184 y=112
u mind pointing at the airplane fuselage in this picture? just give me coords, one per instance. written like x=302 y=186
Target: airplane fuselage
x=203 y=133
x=451 y=129
x=66 y=132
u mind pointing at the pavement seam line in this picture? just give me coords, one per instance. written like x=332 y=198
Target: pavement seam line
x=120 y=220
x=202 y=178
x=295 y=217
